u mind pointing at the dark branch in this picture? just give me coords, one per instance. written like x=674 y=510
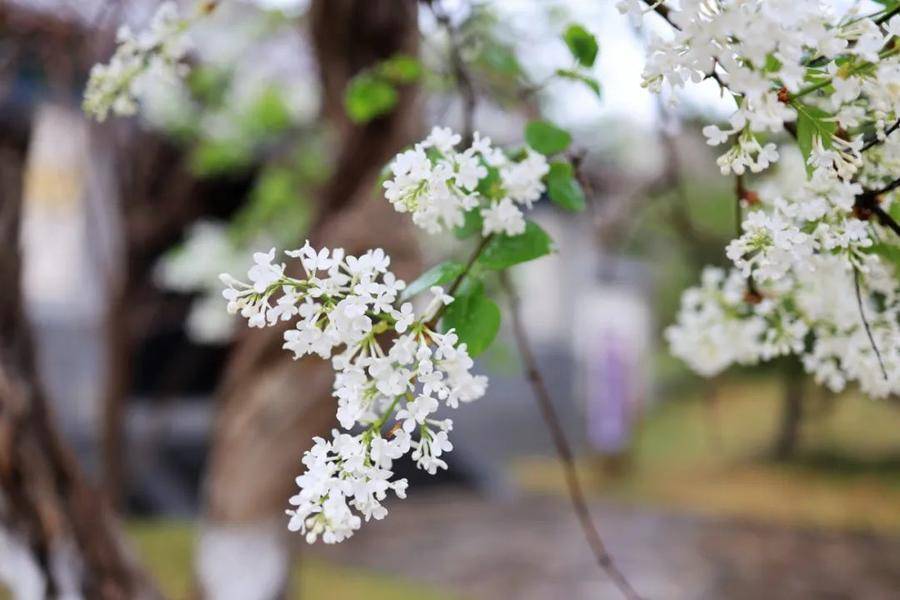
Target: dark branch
x=862 y=315
x=460 y=73
x=563 y=449
x=875 y=141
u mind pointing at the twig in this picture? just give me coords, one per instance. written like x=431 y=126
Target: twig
x=460 y=73
x=875 y=141
x=563 y=448
x=886 y=219
x=459 y=278
x=739 y=192
x=862 y=314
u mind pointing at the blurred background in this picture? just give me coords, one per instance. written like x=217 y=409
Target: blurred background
x=755 y=483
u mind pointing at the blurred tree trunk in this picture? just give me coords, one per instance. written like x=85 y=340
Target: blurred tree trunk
x=160 y=198
x=270 y=405
x=788 y=434
x=58 y=522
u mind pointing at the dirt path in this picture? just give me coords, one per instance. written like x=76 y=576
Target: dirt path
x=530 y=548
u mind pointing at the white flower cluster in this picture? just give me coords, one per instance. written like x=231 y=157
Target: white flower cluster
x=769 y=53
x=834 y=81
x=148 y=57
x=785 y=233
x=193 y=268
x=344 y=307
x=793 y=292
x=438 y=184
x=811 y=313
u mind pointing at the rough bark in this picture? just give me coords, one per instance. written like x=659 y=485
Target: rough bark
x=46 y=500
x=270 y=405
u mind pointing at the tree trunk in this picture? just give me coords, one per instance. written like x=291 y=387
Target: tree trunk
x=788 y=435
x=270 y=405
x=61 y=530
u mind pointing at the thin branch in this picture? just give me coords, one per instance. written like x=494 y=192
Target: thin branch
x=662 y=10
x=867 y=204
x=563 y=448
x=739 y=192
x=886 y=219
x=875 y=141
x=459 y=278
x=888 y=188
x=460 y=73
x=862 y=314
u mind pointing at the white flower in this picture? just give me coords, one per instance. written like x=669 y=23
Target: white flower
x=440 y=189
x=154 y=54
x=502 y=217
x=387 y=398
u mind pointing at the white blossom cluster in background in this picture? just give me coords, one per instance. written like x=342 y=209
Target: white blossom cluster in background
x=811 y=313
x=438 y=184
x=393 y=372
x=772 y=55
x=140 y=59
x=815 y=268
x=194 y=268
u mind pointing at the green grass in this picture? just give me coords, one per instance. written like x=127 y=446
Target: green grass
x=165 y=549
x=707 y=453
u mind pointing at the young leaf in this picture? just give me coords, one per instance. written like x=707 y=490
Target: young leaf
x=582 y=44
x=546 y=137
x=581 y=77
x=474 y=316
x=401 y=68
x=812 y=122
x=437 y=275
x=368 y=97
x=505 y=251
x=563 y=189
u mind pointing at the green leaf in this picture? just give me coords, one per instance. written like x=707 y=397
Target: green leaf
x=499 y=59
x=474 y=316
x=471 y=226
x=581 y=77
x=546 y=137
x=436 y=275
x=889 y=252
x=812 y=122
x=491 y=185
x=505 y=251
x=269 y=113
x=563 y=189
x=582 y=44
x=401 y=69
x=368 y=97
x=214 y=157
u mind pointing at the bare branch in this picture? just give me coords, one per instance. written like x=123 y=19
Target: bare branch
x=862 y=315
x=563 y=448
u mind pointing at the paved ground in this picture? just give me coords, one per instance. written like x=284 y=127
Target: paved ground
x=531 y=548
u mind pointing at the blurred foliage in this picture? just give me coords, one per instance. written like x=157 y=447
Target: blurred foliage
x=374 y=92
x=547 y=138
x=582 y=44
x=563 y=188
